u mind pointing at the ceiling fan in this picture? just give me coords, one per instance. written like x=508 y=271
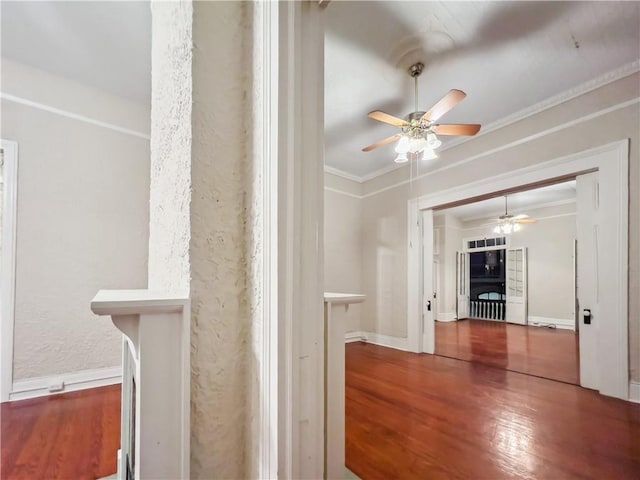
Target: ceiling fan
x=420 y=129
x=511 y=223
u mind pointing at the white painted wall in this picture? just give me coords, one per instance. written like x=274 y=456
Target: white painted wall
x=343 y=245
x=601 y=116
x=384 y=233
x=204 y=237
x=450 y=245
x=549 y=246
x=82 y=221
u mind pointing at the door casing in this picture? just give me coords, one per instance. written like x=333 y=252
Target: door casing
x=611 y=161
x=8 y=266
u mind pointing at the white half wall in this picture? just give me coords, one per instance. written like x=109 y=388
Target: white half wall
x=82 y=220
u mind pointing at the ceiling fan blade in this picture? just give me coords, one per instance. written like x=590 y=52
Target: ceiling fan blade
x=466 y=129
x=393 y=138
x=386 y=118
x=445 y=104
x=526 y=220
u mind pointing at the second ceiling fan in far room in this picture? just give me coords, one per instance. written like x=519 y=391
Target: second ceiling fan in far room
x=508 y=223
x=419 y=129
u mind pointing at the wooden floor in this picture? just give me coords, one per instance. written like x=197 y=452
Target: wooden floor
x=544 y=352
x=71 y=436
x=418 y=416
x=408 y=416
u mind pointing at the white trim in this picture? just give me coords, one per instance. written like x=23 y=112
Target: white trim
x=266 y=136
x=539 y=219
x=560 y=323
x=446 y=317
x=399 y=343
x=388 y=169
x=341 y=173
x=507 y=146
x=581 y=89
x=300 y=240
x=389 y=341
x=612 y=163
x=65 y=113
x=516 y=211
x=351 y=337
x=39 y=386
x=414 y=295
x=8 y=265
x=342 y=192
x=634 y=391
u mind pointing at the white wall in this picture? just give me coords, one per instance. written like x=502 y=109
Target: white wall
x=82 y=221
x=450 y=242
x=549 y=244
x=606 y=114
x=343 y=244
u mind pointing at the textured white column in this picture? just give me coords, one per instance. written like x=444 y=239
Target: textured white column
x=203 y=212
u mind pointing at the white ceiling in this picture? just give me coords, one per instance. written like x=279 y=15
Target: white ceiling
x=506 y=56
x=519 y=202
x=106 y=45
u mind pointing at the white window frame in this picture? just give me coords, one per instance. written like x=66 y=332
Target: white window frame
x=465 y=244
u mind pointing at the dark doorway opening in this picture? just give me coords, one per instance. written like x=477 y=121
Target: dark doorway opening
x=487 y=290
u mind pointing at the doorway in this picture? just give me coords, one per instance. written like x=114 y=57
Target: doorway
x=515 y=303
x=607 y=373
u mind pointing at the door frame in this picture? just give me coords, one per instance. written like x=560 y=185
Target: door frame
x=8 y=280
x=612 y=163
x=291 y=380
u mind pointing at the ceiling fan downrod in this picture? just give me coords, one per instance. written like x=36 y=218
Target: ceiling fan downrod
x=414 y=71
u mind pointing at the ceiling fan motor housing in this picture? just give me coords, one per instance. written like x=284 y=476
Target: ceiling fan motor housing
x=416 y=69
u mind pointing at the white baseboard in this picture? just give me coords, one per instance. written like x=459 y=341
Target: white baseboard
x=634 y=392
x=560 y=323
x=350 y=337
x=39 y=386
x=399 y=343
x=446 y=317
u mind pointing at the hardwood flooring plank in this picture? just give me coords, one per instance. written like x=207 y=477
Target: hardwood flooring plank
x=539 y=351
x=423 y=416
x=68 y=436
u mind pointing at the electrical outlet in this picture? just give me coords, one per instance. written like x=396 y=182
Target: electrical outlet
x=56 y=385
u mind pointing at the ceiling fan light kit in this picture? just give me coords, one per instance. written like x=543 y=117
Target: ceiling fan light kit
x=507 y=227
x=509 y=223
x=419 y=129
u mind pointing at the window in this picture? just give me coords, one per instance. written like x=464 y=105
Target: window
x=486 y=243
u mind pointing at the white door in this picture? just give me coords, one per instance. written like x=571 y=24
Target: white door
x=516 y=285
x=463 y=285
x=587 y=208
x=428 y=326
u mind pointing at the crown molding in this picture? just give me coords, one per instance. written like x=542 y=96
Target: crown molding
x=383 y=171
x=518 y=211
x=581 y=89
x=342 y=192
x=489 y=223
x=507 y=146
x=574 y=92
x=341 y=173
